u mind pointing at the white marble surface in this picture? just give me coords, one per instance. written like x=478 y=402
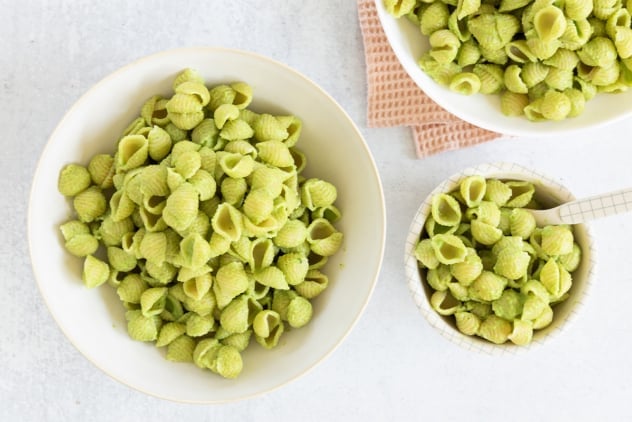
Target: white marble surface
x=393 y=365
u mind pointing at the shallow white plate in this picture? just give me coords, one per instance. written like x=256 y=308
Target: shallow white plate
x=93 y=320
x=409 y=44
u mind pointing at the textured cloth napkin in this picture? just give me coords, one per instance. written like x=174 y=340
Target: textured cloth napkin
x=395 y=100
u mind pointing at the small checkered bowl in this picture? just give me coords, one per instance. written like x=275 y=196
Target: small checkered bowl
x=547 y=192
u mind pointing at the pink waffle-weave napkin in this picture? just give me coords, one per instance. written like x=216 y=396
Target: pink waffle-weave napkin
x=395 y=100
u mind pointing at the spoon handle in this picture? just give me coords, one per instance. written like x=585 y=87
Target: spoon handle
x=597 y=206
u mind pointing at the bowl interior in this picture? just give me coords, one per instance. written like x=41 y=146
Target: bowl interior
x=484 y=110
x=93 y=320
x=548 y=192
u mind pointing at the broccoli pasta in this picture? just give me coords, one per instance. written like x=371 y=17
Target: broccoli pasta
x=490 y=266
x=538 y=55
x=203 y=223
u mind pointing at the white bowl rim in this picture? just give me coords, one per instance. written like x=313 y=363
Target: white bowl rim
x=419 y=296
x=209 y=50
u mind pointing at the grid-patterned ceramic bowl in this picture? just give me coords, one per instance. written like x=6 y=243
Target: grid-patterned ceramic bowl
x=548 y=191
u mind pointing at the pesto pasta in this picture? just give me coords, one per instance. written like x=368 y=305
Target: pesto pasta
x=203 y=223
x=545 y=58
x=489 y=266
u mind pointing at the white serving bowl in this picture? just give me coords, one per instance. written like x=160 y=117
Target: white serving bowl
x=93 y=320
x=548 y=192
x=409 y=44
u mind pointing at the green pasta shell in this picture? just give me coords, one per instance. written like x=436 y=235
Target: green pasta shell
x=169 y=332
x=113 y=232
x=102 y=169
x=493 y=31
x=90 y=204
x=131 y=288
x=323 y=237
x=314 y=284
x=229 y=363
x=187 y=75
x=132 y=152
x=512 y=264
x=444 y=303
x=522 y=332
x=509 y=305
x=142 y=328
x=293 y=125
x=495 y=329
x=239 y=341
x=469 y=269
x=316 y=193
x=549 y=23
x=556 y=240
x=194 y=88
x=433 y=17
x=292 y=234
x=448 y=248
x=230 y=281
x=182 y=207
x=227 y=222
x=234 y=317
x=467 y=322
x=205 y=352
x=399 y=8
x=205 y=305
x=236 y=165
x=487 y=287
x=82 y=245
x=271 y=276
x=181 y=349
x=233 y=190
x=265 y=322
x=533 y=307
x=198 y=286
x=236 y=130
x=121 y=206
x=198 y=325
x=153 y=300
x=243 y=94
x=275 y=153
x=95 y=271
x=120 y=260
x=445 y=210
x=260 y=254
x=220 y=94
x=225 y=113
x=294 y=267
x=299 y=312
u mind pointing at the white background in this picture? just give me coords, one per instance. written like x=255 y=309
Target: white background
x=393 y=365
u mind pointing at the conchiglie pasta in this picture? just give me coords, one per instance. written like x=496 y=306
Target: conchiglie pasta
x=494 y=270
x=323 y=237
x=261 y=254
x=433 y=17
x=268 y=128
x=314 y=284
x=399 y=7
x=101 y=169
x=204 y=224
x=508 y=46
x=181 y=207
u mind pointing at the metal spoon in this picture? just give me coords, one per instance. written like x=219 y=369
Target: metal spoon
x=582 y=210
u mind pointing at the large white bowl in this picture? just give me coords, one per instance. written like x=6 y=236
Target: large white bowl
x=547 y=192
x=93 y=320
x=409 y=44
